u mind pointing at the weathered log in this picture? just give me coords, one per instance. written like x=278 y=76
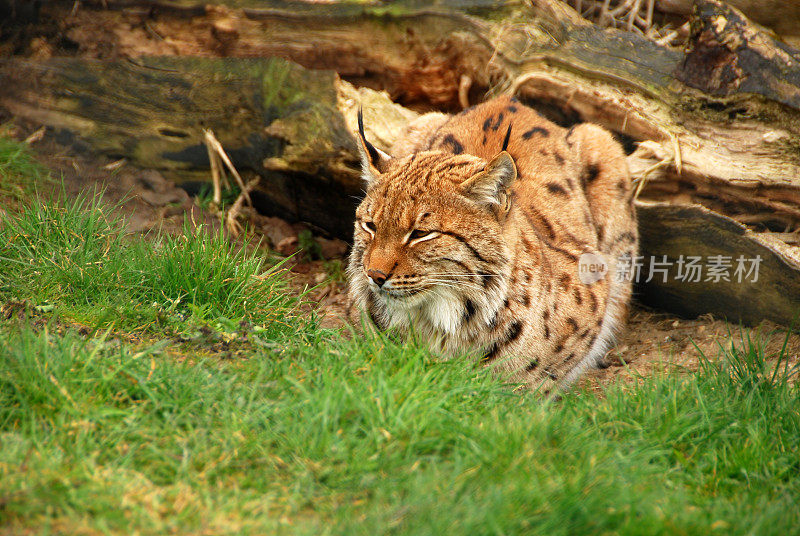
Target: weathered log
x=153 y=112
x=290 y=125
x=695 y=261
x=717 y=124
x=780 y=16
x=736 y=130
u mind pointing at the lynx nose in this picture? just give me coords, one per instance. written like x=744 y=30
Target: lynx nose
x=377 y=276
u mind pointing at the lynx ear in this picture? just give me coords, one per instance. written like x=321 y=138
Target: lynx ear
x=490 y=186
x=373 y=160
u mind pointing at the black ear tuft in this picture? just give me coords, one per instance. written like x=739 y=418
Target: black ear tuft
x=371 y=150
x=508 y=137
x=372 y=157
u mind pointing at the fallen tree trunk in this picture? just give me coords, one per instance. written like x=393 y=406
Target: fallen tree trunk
x=715 y=125
x=154 y=112
x=721 y=117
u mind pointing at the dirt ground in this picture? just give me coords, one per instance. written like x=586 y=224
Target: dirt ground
x=651 y=340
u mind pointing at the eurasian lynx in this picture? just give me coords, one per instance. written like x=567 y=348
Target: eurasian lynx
x=474 y=233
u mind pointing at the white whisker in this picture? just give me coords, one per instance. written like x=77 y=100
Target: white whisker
x=455 y=284
x=463 y=275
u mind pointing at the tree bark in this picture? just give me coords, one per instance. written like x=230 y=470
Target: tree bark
x=273 y=118
x=715 y=126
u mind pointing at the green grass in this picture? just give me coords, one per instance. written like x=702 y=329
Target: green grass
x=205 y=197
x=73 y=256
x=20 y=174
x=312 y=431
x=366 y=436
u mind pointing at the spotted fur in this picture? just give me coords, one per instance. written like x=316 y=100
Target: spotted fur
x=476 y=248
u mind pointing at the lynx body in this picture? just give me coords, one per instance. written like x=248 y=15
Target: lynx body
x=474 y=233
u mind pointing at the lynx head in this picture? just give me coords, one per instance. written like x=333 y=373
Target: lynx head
x=429 y=234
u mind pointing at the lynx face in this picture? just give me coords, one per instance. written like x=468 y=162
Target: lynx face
x=425 y=232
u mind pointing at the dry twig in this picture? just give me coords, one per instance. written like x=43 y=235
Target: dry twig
x=631 y=15
x=219 y=160
x=215 y=151
x=231 y=224
x=36 y=136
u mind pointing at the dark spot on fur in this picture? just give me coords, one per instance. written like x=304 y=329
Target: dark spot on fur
x=498 y=122
x=514 y=99
x=584 y=333
x=577 y=293
x=546 y=315
x=567 y=139
x=592 y=302
x=559 y=347
x=556 y=189
x=570 y=184
x=559 y=158
x=622 y=186
x=454 y=144
x=484 y=140
x=511 y=108
x=591 y=341
x=542 y=222
x=532 y=365
x=486 y=125
x=528 y=244
x=564 y=252
x=469 y=310
x=546 y=332
x=591 y=174
x=514 y=331
x=551 y=374
x=564 y=281
x=601 y=232
x=506 y=303
x=570 y=357
x=551 y=233
x=492 y=353
x=535 y=130
x=573 y=324
x=470 y=247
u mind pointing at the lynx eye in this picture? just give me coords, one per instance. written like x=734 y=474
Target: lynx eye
x=418 y=235
x=368 y=226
